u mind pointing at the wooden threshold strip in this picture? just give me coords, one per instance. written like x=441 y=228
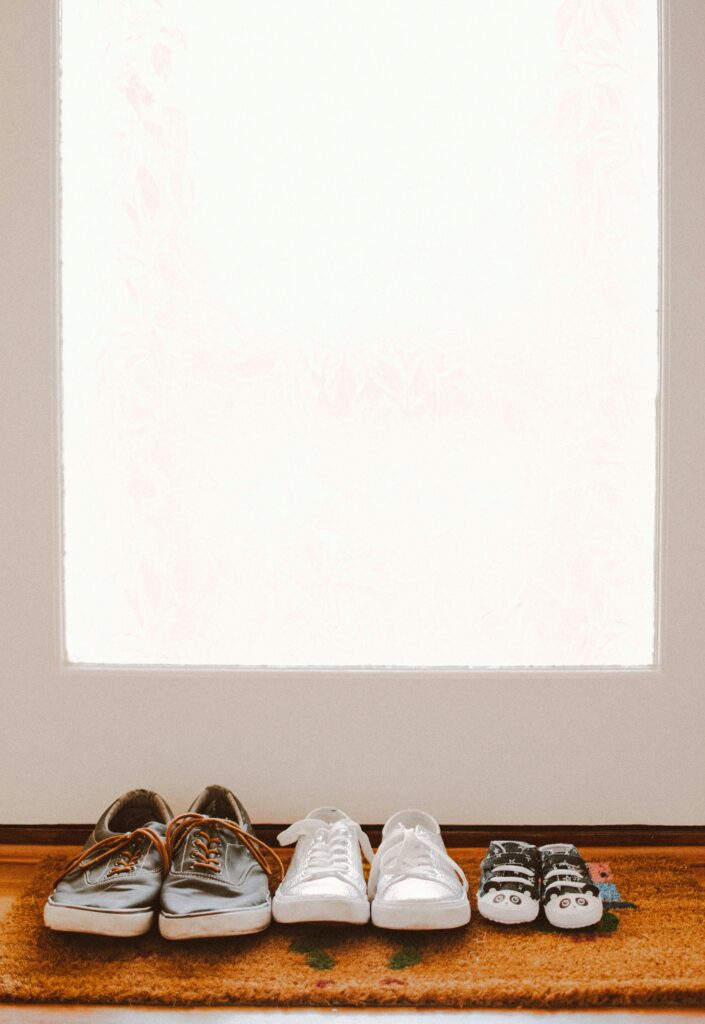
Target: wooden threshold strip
x=454 y=835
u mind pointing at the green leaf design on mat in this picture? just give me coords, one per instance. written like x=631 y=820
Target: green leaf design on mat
x=320 y=960
x=316 y=957
x=609 y=922
x=407 y=956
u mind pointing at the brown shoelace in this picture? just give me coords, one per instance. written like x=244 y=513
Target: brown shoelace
x=127 y=844
x=206 y=846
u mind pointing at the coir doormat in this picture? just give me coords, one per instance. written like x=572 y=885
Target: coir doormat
x=649 y=950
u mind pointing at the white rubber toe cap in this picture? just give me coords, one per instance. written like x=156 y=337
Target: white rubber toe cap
x=215 y=924
x=124 y=924
x=296 y=909
x=574 y=910
x=506 y=906
x=420 y=915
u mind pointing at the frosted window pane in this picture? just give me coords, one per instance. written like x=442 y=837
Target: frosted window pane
x=359 y=331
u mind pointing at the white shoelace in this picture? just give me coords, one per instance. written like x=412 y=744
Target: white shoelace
x=411 y=854
x=329 y=854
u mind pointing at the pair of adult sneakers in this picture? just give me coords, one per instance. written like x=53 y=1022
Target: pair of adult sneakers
x=206 y=874
x=518 y=879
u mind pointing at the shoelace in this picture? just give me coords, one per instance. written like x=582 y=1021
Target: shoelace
x=127 y=844
x=329 y=854
x=411 y=856
x=566 y=874
x=207 y=845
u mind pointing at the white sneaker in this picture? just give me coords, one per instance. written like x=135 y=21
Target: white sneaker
x=325 y=881
x=414 y=884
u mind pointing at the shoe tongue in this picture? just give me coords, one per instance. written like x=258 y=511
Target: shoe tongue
x=219 y=802
x=554 y=849
x=509 y=846
x=411 y=819
x=101 y=832
x=328 y=814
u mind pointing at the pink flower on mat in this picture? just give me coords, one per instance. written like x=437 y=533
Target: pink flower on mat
x=600 y=871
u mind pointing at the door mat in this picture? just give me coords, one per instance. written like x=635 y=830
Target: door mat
x=649 y=950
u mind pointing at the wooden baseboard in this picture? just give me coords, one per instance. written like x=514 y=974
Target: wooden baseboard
x=454 y=835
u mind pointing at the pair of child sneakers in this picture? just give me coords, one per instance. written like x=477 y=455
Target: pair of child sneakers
x=518 y=879
x=413 y=883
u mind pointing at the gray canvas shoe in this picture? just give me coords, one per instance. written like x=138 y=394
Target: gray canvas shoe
x=112 y=886
x=218 y=880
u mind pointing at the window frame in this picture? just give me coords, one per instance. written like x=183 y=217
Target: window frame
x=500 y=745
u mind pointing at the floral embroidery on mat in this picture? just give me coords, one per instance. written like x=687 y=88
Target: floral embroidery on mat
x=317 y=957
x=600 y=871
x=601 y=874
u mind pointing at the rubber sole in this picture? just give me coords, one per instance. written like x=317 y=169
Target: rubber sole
x=420 y=915
x=577 y=920
x=215 y=924
x=502 y=913
x=290 y=910
x=122 y=924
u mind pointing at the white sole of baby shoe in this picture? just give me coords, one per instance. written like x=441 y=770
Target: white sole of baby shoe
x=578 y=919
x=215 y=924
x=123 y=924
x=420 y=915
x=507 y=913
x=297 y=910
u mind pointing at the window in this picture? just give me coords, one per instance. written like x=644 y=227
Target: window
x=360 y=339
x=285 y=739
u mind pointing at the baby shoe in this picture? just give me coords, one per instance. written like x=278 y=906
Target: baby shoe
x=112 y=886
x=218 y=880
x=569 y=896
x=510 y=882
x=414 y=884
x=325 y=881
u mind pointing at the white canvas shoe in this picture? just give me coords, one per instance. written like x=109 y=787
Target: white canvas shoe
x=325 y=881
x=414 y=884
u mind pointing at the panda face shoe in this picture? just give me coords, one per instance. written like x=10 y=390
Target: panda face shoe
x=569 y=897
x=510 y=883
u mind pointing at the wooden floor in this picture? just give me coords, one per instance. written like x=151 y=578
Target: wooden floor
x=17 y=864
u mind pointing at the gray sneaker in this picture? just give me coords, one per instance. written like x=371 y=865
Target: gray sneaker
x=112 y=886
x=218 y=881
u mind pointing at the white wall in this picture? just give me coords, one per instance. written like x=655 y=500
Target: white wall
x=593 y=747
